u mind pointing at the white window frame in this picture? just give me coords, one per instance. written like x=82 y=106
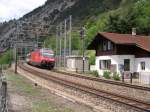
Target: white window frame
x=103 y=64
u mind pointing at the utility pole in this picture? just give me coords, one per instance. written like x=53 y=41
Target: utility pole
x=9 y=55
x=16 y=49
x=37 y=40
x=62 y=32
x=82 y=34
x=60 y=44
x=57 y=59
x=70 y=42
x=16 y=58
x=65 y=39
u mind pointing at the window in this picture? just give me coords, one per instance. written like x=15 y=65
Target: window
x=100 y=47
x=105 y=46
x=142 y=65
x=105 y=64
x=110 y=46
x=127 y=65
x=49 y=55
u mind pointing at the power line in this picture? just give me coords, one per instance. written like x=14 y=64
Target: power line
x=65 y=36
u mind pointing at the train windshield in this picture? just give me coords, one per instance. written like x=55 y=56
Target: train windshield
x=46 y=54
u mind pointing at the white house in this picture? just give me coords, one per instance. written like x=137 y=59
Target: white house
x=121 y=53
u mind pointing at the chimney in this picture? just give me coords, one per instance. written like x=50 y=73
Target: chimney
x=133 y=31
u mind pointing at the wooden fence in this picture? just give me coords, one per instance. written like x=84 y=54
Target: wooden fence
x=3 y=92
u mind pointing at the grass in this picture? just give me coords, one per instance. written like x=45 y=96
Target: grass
x=39 y=103
x=21 y=85
x=44 y=107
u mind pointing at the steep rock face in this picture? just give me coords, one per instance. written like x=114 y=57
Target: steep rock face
x=53 y=12
x=41 y=17
x=50 y=11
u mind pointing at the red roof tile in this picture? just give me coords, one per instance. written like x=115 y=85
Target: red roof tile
x=140 y=41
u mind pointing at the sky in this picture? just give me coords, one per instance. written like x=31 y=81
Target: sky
x=10 y=9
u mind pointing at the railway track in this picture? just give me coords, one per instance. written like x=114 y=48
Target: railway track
x=105 y=81
x=134 y=103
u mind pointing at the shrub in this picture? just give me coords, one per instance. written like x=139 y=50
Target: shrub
x=6 y=58
x=106 y=74
x=116 y=76
x=95 y=73
x=92 y=60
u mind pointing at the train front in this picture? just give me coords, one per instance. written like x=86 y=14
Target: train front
x=47 y=58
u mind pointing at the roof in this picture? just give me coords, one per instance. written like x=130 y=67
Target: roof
x=140 y=41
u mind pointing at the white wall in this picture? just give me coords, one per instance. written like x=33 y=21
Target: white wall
x=144 y=74
x=138 y=66
x=92 y=68
x=76 y=63
x=115 y=59
x=144 y=77
x=71 y=64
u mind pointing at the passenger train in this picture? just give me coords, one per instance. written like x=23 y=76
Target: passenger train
x=42 y=58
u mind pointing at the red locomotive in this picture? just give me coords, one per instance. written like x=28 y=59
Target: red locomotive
x=41 y=58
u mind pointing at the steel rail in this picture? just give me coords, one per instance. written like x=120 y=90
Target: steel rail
x=137 y=104
x=105 y=81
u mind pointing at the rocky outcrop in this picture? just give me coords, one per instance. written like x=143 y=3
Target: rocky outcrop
x=40 y=21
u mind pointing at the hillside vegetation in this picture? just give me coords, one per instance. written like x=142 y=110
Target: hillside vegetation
x=85 y=13
x=122 y=20
x=118 y=16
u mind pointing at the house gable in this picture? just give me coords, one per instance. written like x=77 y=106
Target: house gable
x=118 y=46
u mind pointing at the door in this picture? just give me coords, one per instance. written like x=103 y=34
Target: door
x=126 y=64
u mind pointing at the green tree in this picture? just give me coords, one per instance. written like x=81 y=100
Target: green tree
x=142 y=7
x=136 y=16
